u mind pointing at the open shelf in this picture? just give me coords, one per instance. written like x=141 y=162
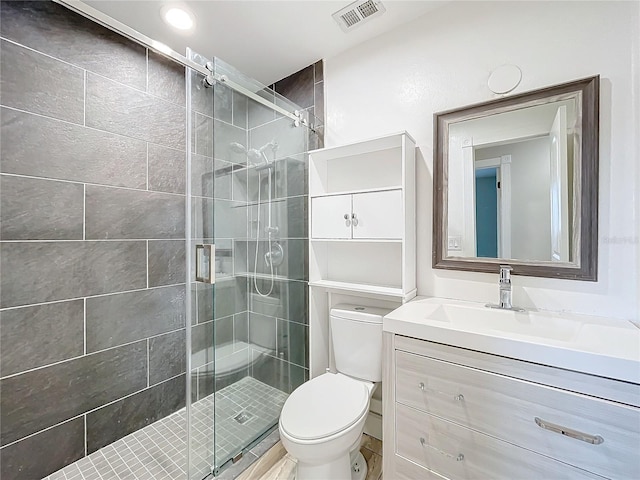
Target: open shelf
x=362 y=288
x=358 y=240
x=362 y=190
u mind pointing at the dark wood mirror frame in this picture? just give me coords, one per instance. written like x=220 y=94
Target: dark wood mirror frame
x=588 y=252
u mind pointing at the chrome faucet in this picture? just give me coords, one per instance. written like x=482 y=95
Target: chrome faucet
x=505 y=291
x=505 y=286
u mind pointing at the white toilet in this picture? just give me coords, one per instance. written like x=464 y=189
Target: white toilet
x=322 y=421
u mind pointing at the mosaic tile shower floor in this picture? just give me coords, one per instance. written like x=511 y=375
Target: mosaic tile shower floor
x=244 y=410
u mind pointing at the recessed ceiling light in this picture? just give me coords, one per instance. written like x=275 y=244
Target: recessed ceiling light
x=178 y=18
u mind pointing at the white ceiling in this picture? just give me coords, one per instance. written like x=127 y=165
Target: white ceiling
x=267 y=40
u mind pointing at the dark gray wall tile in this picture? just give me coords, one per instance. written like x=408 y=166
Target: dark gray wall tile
x=54 y=449
x=23 y=86
x=31 y=337
x=126 y=317
x=202 y=176
x=293 y=339
x=167 y=169
x=119 y=109
x=204 y=298
x=291 y=140
x=47 y=271
x=262 y=331
x=258 y=114
x=44 y=147
x=223 y=331
x=240 y=107
x=289 y=215
x=202 y=217
x=295 y=264
x=202 y=135
x=241 y=327
x=289 y=300
x=280 y=374
x=319 y=102
x=166 y=79
x=53 y=29
x=298 y=87
x=34 y=209
x=202 y=338
x=167 y=356
x=319 y=71
x=134 y=412
x=201 y=96
x=119 y=213
x=291 y=176
x=230 y=219
x=222 y=103
x=70 y=388
x=230 y=297
x=166 y=262
x=224 y=135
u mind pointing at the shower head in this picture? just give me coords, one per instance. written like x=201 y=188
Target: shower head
x=256 y=156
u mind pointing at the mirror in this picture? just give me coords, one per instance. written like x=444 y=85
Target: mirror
x=516 y=181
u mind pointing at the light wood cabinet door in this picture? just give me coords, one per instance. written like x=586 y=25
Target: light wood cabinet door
x=378 y=215
x=327 y=217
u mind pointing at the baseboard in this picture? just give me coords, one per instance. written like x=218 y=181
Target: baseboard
x=373 y=425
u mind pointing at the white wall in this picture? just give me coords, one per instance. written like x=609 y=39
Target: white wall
x=442 y=60
x=530 y=196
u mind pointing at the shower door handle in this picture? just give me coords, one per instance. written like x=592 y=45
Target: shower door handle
x=205 y=263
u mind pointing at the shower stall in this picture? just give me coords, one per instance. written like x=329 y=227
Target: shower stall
x=153 y=277
x=248 y=246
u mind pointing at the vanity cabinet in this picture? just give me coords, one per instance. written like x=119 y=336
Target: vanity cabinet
x=461 y=414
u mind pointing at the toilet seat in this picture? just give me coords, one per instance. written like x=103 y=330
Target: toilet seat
x=324 y=406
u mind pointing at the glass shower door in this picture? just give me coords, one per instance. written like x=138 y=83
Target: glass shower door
x=247 y=183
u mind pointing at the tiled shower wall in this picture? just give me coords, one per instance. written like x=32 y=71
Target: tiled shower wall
x=267 y=336
x=92 y=199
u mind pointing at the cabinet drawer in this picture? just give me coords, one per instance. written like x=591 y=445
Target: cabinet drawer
x=457 y=452
x=507 y=408
x=407 y=470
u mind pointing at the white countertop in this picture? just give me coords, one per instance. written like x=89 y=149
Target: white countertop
x=594 y=345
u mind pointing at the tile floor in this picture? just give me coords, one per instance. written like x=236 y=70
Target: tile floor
x=157 y=451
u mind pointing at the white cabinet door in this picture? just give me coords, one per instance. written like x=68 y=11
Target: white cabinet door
x=379 y=215
x=327 y=217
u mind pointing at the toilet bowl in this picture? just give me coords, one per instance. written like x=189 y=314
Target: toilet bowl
x=322 y=423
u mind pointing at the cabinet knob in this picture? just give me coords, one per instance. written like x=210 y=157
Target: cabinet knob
x=421 y=386
x=459 y=397
x=354 y=220
x=347 y=222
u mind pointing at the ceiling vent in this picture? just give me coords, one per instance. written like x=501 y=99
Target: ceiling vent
x=358 y=13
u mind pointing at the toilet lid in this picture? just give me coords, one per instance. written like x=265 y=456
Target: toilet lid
x=324 y=406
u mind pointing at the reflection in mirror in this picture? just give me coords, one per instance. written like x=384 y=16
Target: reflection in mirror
x=517 y=167
x=516 y=182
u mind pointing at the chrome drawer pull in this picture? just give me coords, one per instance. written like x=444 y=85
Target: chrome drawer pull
x=457 y=458
x=585 y=437
x=422 y=387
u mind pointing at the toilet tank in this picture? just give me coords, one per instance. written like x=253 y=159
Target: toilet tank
x=356 y=332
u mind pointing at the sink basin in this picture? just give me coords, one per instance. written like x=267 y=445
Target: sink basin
x=526 y=324
x=596 y=345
